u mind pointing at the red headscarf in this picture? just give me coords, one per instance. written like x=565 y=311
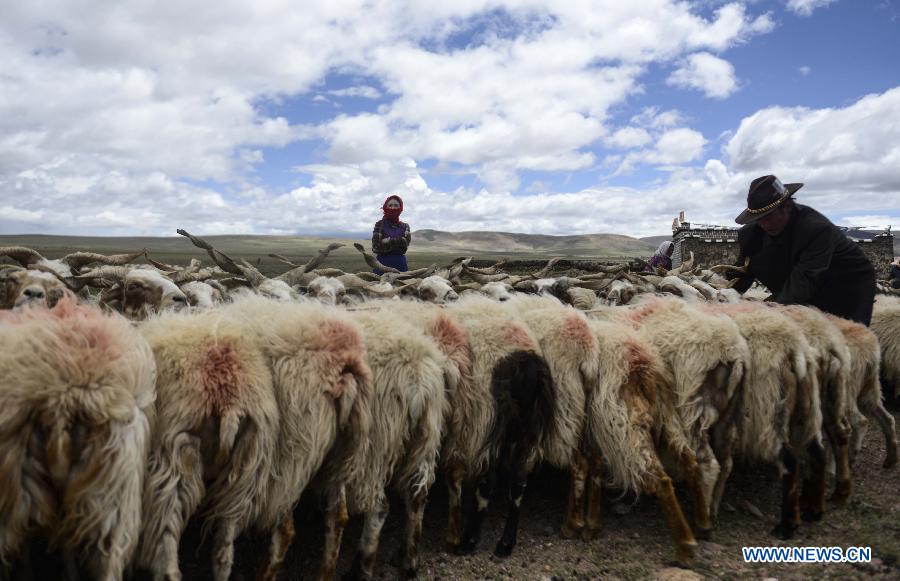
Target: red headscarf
x=391 y=214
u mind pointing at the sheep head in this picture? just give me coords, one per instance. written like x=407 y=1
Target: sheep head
x=21 y=287
x=435 y=289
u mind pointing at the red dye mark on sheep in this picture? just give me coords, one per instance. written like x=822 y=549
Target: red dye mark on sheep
x=220 y=377
x=642 y=312
x=576 y=330
x=637 y=355
x=450 y=337
x=518 y=338
x=338 y=336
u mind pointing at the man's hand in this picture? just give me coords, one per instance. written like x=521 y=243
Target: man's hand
x=386 y=240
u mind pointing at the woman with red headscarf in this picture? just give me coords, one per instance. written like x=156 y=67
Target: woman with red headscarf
x=391 y=237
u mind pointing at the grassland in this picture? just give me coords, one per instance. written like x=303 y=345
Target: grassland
x=429 y=247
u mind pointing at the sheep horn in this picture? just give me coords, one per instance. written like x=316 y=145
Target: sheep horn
x=78 y=260
x=594 y=285
x=721 y=268
x=106 y=271
x=322 y=255
x=24 y=256
x=486 y=278
x=686 y=266
x=493 y=269
x=284 y=259
x=160 y=265
x=251 y=273
x=371 y=260
x=224 y=261
x=542 y=273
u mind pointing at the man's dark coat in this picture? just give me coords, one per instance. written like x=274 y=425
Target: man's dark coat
x=812 y=262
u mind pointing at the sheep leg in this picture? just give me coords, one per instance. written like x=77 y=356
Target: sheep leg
x=415 y=511
x=223 y=549
x=279 y=544
x=813 y=494
x=336 y=518
x=886 y=423
x=454 y=516
x=477 y=511
x=364 y=563
x=858 y=428
x=790 y=497
x=173 y=492
x=578 y=473
x=701 y=475
x=723 y=441
x=661 y=487
x=517 y=484
x=594 y=496
x=839 y=438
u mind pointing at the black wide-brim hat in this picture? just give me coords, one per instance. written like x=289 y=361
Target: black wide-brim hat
x=765 y=196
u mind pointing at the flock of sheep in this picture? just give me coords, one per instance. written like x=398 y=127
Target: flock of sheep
x=228 y=394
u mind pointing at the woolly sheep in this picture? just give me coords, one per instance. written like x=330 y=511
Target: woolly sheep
x=407 y=412
x=833 y=368
x=780 y=413
x=865 y=394
x=214 y=433
x=511 y=395
x=76 y=383
x=706 y=356
x=886 y=326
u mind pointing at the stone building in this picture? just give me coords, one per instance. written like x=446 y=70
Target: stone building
x=713 y=245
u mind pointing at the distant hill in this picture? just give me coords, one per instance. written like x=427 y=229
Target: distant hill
x=655 y=240
x=582 y=245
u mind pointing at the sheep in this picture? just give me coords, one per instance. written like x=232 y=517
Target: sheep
x=437 y=290
x=328 y=290
x=780 y=419
x=407 y=414
x=886 y=326
x=204 y=294
x=629 y=410
x=465 y=403
x=323 y=390
x=606 y=381
x=20 y=287
x=216 y=419
x=500 y=418
x=581 y=298
x=570 y=349
x=620 y=292
x=68 y=266
x=499 y=291
x=139 y=292
x=865 y=398
x=706 y=357
x=74 y=395
x=281 y=389
x=833 y=365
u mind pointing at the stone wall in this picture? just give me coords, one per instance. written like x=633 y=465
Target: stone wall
x=711 y=247
x=880 y=251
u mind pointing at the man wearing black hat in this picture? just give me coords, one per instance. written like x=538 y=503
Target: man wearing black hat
x=800 y=256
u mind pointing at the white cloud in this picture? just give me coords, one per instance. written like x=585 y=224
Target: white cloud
x=142 y=118
x=705 y=72
x=629 y=137
x=806 y=7
x=673 y=149
x=804 y=70
x=364 y=91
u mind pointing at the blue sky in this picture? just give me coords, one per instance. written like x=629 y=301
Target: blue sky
x=519 y=115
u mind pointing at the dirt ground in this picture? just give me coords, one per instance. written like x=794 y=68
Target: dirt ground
x=634 y=543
